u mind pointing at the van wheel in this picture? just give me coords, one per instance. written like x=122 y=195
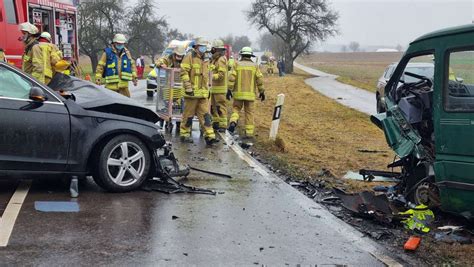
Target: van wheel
x=123 y=164
x=428 y=194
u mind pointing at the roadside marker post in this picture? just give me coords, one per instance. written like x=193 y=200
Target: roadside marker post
x=276 y=116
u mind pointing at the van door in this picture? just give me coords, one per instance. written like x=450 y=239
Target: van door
x=454 y=131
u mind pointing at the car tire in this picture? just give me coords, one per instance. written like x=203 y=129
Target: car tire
x=123 y=164
x=380 y=107
x=150 y=93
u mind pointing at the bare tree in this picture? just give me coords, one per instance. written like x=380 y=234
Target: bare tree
x=354 y=46
x=299 y=23
x=237 y=42
x=273 y=43
x=146 y=31
x=97 y=22
x=399 y=48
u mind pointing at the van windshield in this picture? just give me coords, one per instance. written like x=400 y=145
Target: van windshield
x=427 y=72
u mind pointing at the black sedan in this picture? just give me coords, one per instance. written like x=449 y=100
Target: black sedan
x=75 y=128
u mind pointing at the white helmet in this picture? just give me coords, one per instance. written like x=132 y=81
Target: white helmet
x=29 y=28
x=120 y=38
x=46 y=36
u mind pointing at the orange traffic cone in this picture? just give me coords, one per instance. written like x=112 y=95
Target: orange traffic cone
x=88 y=77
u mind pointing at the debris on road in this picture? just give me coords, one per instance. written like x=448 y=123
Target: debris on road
x=56 y=206
x=412 y=243
x=210 y=172
x=363 y=176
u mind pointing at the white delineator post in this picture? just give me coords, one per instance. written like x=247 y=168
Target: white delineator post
x=276 y=116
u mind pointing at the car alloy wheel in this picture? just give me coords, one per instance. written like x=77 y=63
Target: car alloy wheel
x=126 y=163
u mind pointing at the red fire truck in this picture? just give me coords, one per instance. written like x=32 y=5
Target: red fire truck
x=58 y=17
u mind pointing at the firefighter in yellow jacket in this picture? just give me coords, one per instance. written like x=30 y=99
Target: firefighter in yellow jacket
x=219 y=86
x=173 y=60
x=244 y=82
x=3 y=58
x=31 y=50
x=117 y=67
x=46 y=61
x=195 y=78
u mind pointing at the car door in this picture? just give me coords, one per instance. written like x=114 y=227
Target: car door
x=34 y=135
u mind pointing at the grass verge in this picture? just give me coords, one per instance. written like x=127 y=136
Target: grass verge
x=317 y=136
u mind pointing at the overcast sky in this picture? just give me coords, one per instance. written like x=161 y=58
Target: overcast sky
x=375 y=22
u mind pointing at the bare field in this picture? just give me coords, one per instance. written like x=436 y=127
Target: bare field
x=314 y=133
x=358 y=69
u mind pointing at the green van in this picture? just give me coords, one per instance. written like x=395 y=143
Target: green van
x=429 y=121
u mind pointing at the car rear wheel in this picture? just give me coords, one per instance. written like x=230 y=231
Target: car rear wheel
x=123 y=164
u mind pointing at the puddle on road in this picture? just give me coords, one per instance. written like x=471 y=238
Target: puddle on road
x=56 y=206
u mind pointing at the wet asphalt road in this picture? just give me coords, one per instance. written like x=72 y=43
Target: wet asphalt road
x=257 y=220
x=347 y=95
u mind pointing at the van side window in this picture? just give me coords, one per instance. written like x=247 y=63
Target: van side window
x=10 y=10
x=459 y=82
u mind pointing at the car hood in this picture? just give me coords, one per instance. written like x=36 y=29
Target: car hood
x=93 y=97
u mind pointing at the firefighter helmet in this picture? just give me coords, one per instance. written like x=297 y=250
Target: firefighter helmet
x=46 y=36
x=120 y=38
x=218 y=43
x=29 y=28
x=246 y=51
x=179 y=50
x=201 y=41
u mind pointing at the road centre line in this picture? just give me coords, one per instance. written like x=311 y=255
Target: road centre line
x=8 y=219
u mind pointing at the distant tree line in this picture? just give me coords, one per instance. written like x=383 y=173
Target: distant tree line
x=99 y=21
x=237 y=42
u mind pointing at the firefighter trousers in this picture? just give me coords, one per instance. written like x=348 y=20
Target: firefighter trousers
x=120 y=87
x=198 y=107
x=249 y=107
x=219 y=110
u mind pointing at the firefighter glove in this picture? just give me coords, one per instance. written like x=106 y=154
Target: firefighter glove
x=229 y=94
x=262 y=96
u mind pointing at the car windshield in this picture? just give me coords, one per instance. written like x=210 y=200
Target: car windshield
x=422 y=71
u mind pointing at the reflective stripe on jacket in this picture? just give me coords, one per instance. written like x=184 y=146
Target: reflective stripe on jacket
x=219 y=75
x=245 y=80
x=195 y=75
x=45 y=61
x=113 y=71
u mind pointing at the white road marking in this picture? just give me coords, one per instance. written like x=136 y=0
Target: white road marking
x=7 y=221
x=314 y=208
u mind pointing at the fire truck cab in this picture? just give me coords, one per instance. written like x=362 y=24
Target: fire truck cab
x=58 y=17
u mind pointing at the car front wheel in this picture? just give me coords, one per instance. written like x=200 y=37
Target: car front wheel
x=123 y=164
x=380 y=106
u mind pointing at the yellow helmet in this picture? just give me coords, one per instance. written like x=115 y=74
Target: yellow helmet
x=120 y=38
x=62 y=65
x=28 y=27
x=218 y=43
x=46 y=36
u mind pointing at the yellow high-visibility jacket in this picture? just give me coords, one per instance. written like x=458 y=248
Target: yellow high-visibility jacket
x=245 y=80
x=219 y=75
x=31 y=51
x=169 y=61
x=45 y=61
x=195 y=75
x=120 y=83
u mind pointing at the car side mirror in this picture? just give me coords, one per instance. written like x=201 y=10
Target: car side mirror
x=37 y=94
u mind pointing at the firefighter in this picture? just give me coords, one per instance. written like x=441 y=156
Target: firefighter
x=219 y=86
x=173 y=60
x=46 y=61
x=30 y=40
x=231 y=63
x=244 y=82
x=195 y=78
x=116 y=66
x=3 y=58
